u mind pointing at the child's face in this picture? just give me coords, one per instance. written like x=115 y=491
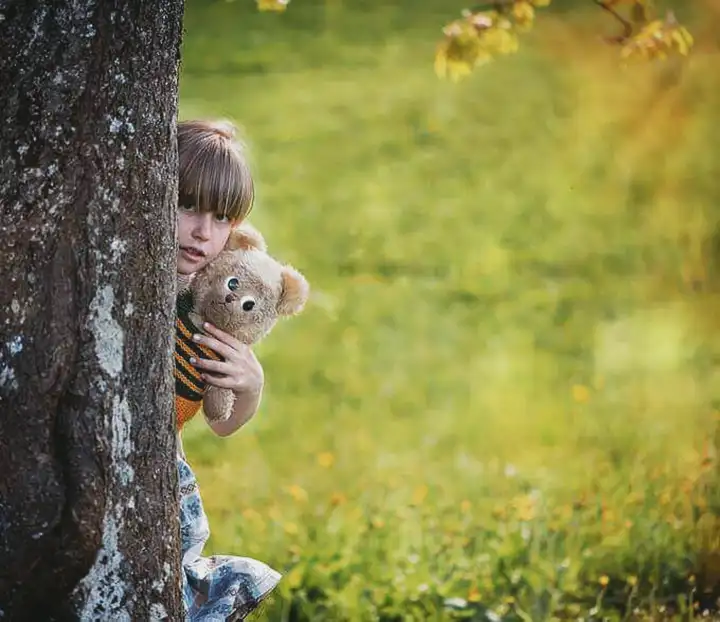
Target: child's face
x=201 y=237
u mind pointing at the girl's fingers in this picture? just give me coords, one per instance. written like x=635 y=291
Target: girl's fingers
x=215 y=345
x=220 y=367
x=223 y=382
x=222 y=336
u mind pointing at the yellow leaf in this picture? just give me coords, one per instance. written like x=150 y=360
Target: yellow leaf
x=524 y=13
x=682 y=40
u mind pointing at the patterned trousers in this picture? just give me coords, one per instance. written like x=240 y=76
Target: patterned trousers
x=219 y=588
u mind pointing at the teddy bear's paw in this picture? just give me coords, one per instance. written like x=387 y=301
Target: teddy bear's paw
x=218 y=404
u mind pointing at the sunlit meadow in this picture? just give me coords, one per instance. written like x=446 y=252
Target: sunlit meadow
x=501 y=400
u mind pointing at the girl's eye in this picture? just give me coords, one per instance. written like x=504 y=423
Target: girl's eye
x=187 y=207
x=221 y=218
x=232 y=283
x=247 y=303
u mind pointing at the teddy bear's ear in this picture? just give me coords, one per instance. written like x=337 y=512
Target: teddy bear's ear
x=245 y=237
x=295 y=292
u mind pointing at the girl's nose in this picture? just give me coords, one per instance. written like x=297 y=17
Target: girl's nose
x=203 y=226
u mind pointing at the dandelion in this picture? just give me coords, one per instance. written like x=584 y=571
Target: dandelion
x=525 y=507
x=325 y=459
x=294 y=550
x=465 y=505
x=580 y=393
x=291 y=529
x=510 y=470
x=608 y=516
x=277 y=6
x=250 y=514
x=419 y=494
x=473 y=595
x=604 y=580
x=298 y=493
x=632 y=580
x=337 y=498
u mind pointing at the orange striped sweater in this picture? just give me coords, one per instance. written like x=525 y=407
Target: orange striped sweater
x=189 y=386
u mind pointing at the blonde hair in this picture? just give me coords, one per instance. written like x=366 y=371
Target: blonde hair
x=213 y=169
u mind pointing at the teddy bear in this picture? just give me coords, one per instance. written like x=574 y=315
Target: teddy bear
x=244 y=291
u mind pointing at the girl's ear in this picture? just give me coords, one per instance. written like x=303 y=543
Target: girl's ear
x=295 y=292
x=245 y=237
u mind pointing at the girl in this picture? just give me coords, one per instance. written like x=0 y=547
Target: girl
x=215 y=193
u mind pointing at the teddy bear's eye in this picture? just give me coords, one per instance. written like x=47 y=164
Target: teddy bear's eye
x=233 y=283
x=247 y=303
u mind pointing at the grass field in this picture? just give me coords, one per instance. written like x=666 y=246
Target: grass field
x=502 y=398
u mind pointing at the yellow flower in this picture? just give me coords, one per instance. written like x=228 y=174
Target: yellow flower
x=298 y=493
x=604 y=580
x=291 y=529
x=465 y=505
x=294 y=549
x=250 y=514
x=325 y=459
x=473 y=595
x=632 y=580
x=580 y=393
x=378 y=522
x=337 y=498
x=419 y=494
x=525 y=507
x=278 y=6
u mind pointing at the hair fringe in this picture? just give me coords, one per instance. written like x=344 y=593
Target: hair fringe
x=213 y=167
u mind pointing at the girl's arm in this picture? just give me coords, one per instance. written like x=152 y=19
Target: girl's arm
x=240 y=371
x=244 y=408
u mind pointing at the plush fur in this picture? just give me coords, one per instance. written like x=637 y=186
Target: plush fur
x=244 y=292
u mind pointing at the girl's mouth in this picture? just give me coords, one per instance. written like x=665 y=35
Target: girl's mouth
x=192 y=252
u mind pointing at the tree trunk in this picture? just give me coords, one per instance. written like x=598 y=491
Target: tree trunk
x=88 y=483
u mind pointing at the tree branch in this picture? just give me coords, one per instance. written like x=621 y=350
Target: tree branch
x=627 y=26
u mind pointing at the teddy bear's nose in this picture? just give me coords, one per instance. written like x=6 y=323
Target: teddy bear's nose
x=229 y=298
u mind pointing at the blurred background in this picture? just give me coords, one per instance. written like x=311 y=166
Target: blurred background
x=501 y=400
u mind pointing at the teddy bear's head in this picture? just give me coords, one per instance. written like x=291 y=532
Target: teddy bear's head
x=244 y=291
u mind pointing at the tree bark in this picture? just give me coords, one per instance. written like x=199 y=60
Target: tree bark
x=88 y=483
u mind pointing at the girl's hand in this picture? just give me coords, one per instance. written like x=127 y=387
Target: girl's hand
x=240 y=371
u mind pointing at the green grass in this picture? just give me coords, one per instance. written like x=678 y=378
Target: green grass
x=502 y=391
